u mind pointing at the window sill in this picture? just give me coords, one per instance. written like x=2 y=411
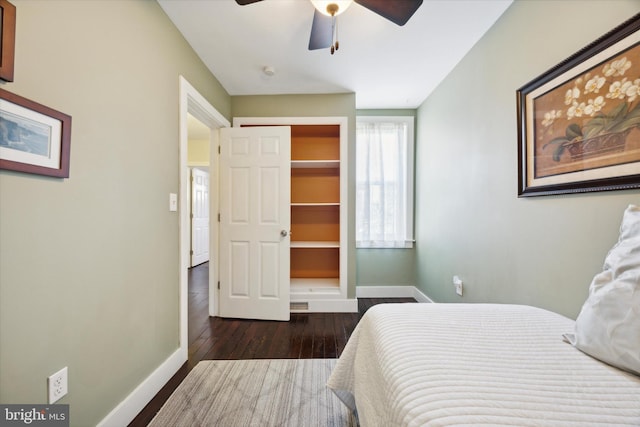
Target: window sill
x=408 y=244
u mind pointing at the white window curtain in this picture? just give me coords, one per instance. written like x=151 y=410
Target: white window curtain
x=384 y=182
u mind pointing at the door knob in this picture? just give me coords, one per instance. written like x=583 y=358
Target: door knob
x=283 y=233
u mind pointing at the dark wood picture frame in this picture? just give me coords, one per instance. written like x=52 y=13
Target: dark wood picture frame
x=25 y=124
x=579 y=122
x=8 y=42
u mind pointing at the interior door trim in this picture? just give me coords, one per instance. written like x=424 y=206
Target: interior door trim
x=192 y=102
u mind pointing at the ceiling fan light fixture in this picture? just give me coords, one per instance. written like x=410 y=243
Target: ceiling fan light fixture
x=331 y=7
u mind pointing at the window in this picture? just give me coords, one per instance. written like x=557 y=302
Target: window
x=384 y=182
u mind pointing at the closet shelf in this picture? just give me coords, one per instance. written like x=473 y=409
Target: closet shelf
x=315 y=244
x=318 y=285
x=311 y=164
x=316 y=204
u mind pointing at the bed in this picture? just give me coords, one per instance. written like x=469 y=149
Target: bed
x=477 y=364
x=499 y=364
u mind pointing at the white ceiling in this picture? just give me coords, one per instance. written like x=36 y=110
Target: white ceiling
x=385 y=65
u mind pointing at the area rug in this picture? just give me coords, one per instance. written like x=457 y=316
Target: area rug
x=271 y=392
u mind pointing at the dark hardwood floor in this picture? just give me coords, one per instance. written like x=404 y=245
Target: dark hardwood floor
x=305 y=336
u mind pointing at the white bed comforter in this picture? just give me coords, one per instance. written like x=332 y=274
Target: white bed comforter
x=477 y=364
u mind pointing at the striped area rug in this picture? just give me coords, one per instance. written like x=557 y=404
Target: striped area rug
x=267 y=392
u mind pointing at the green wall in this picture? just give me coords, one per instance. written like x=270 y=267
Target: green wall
x=89 y=266
x=341 y=105
x=541 y=251
x=386 y=267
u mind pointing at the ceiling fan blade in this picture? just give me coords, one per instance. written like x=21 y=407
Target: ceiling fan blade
x=321 y=31
x=396 y=11
x=246 y=2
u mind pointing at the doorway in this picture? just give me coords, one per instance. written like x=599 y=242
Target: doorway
x=194 y=104
x=198 y=161
x=199 y=204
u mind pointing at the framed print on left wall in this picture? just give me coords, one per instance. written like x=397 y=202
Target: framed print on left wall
x=33 y=138
x=579 y=123
x=8 y=41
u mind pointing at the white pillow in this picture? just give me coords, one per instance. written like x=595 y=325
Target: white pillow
x=608 y=326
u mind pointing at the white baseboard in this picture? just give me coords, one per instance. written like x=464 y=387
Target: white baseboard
x=421 y=297
x=392 y=292
x=131 y=406
x=384 y=291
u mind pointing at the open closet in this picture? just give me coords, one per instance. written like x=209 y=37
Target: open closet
x=317 y=230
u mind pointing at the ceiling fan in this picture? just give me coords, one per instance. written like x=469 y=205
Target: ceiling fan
x=324 y=27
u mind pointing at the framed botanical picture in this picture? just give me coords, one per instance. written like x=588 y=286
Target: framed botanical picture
x=8 y=39
x=33 y=138
x=579 y=123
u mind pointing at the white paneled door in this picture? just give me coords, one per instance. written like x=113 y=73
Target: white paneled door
x=255 y=220
x=199 y=216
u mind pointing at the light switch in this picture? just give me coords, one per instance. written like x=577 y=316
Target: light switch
x=173 y=202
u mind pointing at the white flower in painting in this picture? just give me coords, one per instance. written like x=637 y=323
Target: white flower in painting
x=597 y=103
x=617 y=68
x=588 y=109
x=593 y=106
x=571 y=95
x=625 y=87
x=576 y=110
x=615 y=90
x=594 y=84
x=608 y=71
x=633 y=90
x=550 y=117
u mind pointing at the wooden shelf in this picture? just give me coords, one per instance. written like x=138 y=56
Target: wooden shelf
x=315 y=131
x=316 y=204
x=315 y=142
x=315 y=285
x=315 y=185
x=315 y=164
x=314 y=244
x=315 y=262
x=312 y=222
x=316 y=176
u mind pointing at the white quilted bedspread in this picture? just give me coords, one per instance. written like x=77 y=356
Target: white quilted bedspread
x=477 y=365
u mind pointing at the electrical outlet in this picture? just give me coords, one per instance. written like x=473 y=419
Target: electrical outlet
x=458 y=285
x=58 y=386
